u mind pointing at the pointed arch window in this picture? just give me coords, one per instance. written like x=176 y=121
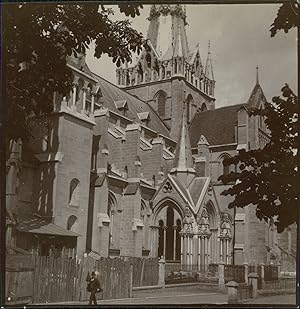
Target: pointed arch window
x=148 y=60
x=143 y=216
x=227 y=169
x=111 y=211
x=72 y=223
x=74 y=192
x=189 y=104
x=210 y=88
x=161 y=103
x=203 y=107
x=140 y=72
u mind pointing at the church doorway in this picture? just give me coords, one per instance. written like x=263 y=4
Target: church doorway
x=169 y=239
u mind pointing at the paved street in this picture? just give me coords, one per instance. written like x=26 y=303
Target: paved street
x=189 y=295
x=175 y=296
x=171 y=297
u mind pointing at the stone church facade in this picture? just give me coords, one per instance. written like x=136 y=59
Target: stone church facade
x=132 y=170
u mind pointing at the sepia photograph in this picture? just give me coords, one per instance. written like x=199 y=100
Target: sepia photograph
x=149 y=154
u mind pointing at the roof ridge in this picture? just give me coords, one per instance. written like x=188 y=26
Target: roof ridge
x=228 y=106
x=149 y=106
x=222 y=107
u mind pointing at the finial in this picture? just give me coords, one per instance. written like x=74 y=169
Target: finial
x=257 y=80
x=209 y=46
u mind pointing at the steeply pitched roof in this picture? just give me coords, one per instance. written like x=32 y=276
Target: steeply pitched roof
x=196 y=188
x=183 y=160
x=131 y=188
x=79 y=63
x=111 y=93
x=216 y=125
x=256 y=96
x=40 y=226
x=182 y=188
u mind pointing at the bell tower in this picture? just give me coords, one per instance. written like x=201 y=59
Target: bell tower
x=167 y=68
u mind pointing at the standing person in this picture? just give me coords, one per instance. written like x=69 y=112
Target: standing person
x=93 y=287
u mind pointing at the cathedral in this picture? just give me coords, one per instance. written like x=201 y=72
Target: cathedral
x=132 y=169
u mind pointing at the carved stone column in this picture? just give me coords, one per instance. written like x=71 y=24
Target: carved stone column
x=74 y=94
x=174 y=248
x=165 y=240
x=152 y=75
x=181 y=249
x=93 y=94
x=221 y=249
x=83 y=100
x=199 y=252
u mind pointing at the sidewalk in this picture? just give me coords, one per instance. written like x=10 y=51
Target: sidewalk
x=289 y=299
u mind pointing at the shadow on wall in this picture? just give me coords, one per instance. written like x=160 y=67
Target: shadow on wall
x=45 y=145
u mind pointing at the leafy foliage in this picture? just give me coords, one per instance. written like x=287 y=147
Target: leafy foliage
x=38 y=38
x=267 y=177
x=287 y=17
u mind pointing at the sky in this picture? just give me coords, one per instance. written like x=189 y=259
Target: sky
x=240 y=41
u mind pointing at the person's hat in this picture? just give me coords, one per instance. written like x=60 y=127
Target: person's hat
x=93 y=273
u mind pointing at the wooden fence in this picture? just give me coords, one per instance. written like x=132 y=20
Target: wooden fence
x=281 y=284
x=19 y=285
x=145 y=271
x=56 y=280
x=234 y=272
x=115 y=277
x=51 y=279
x=271 y=272
x=19 y=279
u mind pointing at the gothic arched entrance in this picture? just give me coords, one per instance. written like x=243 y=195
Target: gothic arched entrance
x=167 y=223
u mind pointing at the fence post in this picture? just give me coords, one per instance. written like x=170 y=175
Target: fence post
x=246 y=266
x=221 y=277
x=82 y=283
x=253 y=283
x=161 y=272
x=232 y=292
x=262 y=267
x=278 y=270
x=130 y=280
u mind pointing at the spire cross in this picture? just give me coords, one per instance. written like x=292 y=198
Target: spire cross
x=257 y=81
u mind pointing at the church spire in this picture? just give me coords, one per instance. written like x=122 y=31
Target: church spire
x=183 y=161
x=167 y=30
x=257 y=94
x=208 y=67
